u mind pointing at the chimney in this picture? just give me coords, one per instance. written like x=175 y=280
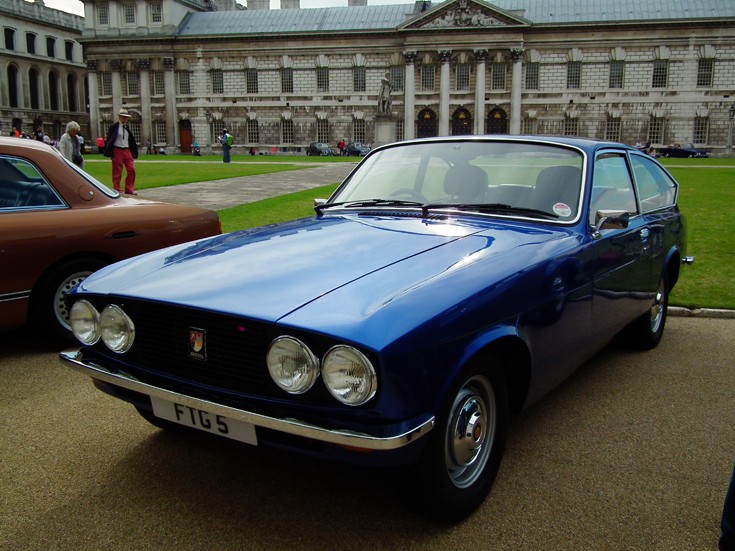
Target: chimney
x=259 y=4
x=290 y=4
x=356 y=3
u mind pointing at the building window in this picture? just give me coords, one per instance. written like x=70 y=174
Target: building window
x=53 y=91
x=532 y=76
x=286 y=131
x=322 y=130
x=287 y=82
x=529 y=126
x=400 y=133
x=158 y=83
x=701 y=130
x=13 y=85
x=656 y=130
x=359 y=79
x=104 y=83
x=251 y=81
x=612 y=131
x=9 y=39
x=397 y=77
x=103 y=14
x=71 y=92
x=322 y=81
x=31 y=43
x=253 y=132
x=69 y=50
x=463 y=77
x=218 y=81
x=33 y=88
x=428 y=74
x=156 y=12
x=50 y=46
x=184 y=82
x=705 y=73
x=217 y=127
x=358 y=130
x=617 y=74
x=571 y=126
x=134 y=124
x=660 y=74
x=128 y=14
x=497 y=80
x=574 y=76
x=132 y=84
x=159 y=132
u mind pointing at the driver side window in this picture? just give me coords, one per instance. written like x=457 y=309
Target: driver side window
x=612 y=186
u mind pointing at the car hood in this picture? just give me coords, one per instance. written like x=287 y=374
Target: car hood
x=271 y=272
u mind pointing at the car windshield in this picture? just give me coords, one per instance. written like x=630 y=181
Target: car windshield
x=513 y=178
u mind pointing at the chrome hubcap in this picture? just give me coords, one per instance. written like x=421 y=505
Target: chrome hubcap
x=60 y=309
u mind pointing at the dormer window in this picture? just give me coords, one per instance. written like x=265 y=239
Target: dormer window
x=156 y=12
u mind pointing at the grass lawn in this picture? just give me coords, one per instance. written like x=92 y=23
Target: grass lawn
x=707 y=199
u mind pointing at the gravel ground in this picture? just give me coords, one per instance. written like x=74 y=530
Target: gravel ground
x=633 y=452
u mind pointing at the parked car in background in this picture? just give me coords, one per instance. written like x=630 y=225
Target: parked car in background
x=58 y=225
x=318 y=148
x=446 y=284
x=357 y=149
x=686 y=151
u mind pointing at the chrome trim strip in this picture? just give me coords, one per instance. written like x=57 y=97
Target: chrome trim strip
x=20 y=295
x=74 y=359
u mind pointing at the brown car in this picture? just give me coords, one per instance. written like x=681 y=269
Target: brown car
x=58 y=225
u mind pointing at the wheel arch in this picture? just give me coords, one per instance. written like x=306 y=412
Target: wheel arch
x=84 y=255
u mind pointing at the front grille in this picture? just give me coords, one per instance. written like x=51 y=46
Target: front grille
x=235 y=348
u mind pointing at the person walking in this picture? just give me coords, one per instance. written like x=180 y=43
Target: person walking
x=226 y=144
x=122 y=148
x=69 y=145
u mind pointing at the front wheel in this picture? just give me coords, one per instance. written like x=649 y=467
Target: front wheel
x=645 y=332
x=462 y=458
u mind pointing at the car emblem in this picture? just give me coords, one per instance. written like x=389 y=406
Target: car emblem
x=197 y=343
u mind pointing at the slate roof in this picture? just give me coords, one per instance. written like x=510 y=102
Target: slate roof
x=391 y=16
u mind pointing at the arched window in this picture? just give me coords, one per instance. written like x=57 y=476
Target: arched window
x=71 y=91
x=34 y=88
x=497 y=121
x=53 y=91
x=426 y=125
x=13 y=86
x=461 y=123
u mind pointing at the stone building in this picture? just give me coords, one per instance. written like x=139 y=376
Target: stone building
x=280 y=79
x=42 y=71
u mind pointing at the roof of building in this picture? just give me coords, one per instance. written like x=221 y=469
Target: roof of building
x=392 y=16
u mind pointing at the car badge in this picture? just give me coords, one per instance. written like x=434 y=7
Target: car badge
x=197 y=343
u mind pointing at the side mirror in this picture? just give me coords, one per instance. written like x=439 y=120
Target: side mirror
x=611 y=220
x=318 y=202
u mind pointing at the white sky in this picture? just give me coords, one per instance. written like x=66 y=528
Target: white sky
x=76 y=6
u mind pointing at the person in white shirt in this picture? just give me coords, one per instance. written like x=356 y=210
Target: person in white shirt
x=122 y=148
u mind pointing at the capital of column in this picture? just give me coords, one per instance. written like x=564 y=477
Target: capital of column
x=481 y=55
x=116 y=64
x=445 y=56
x=92 y=64
x=169 y=63
x=409 y=57
x=143 y=64
x=516 y=54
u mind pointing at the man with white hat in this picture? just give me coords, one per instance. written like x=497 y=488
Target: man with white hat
x=122 y=148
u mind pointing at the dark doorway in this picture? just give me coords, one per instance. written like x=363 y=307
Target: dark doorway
x=497 y=121
x=185 y=136
x=427 y=125
x=461 y=123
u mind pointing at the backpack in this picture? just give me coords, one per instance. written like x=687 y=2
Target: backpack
x=230 y=140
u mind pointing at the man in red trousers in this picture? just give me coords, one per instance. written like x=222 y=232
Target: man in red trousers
x=121 y=147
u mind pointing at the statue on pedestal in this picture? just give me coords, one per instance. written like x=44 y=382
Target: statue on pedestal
x=384 y=101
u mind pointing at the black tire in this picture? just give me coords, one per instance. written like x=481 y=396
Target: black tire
x=49 y=309
x=462 y=458
x=645 y=332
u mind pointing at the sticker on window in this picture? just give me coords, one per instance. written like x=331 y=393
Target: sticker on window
x=562 y=210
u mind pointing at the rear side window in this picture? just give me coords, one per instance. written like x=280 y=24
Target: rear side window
x=23 y=187
x=655 y=187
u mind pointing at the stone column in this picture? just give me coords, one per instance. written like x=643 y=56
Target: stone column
x=445 y=56
x=117 y=93
x=481 y=60
x=169 y=64
x=516 y=56
x=409 y=98
x=144 y=67
x=94 y=102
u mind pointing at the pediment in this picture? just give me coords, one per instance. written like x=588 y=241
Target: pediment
x=465 y=14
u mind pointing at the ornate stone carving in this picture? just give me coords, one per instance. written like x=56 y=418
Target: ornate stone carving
x=410 y=57
x=116 y=64
x=92 y=64
x=445 y=56
x=169 y=63
x=481 y=55
x=516 y=54
x=384 y=101
x=143 y=64
x=464 y=16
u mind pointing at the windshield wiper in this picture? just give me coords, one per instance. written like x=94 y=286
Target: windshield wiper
x=369 y=203
x=490 y=207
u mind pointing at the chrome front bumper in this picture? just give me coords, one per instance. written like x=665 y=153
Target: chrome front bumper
x=75 y=359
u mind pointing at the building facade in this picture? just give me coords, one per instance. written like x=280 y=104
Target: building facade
x=280 y=79
x=42 y=70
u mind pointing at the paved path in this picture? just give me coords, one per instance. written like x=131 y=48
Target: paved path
x=230 y=192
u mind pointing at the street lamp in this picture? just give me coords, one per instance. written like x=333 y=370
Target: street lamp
x=731 y=113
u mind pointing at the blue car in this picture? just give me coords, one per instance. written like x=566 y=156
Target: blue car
x=447 y=284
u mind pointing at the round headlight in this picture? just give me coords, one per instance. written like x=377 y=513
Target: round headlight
x=116 y=329
x=293 y=367
x=84 y=322
x=349 y=375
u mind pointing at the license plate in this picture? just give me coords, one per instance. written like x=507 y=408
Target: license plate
x=205 y=421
